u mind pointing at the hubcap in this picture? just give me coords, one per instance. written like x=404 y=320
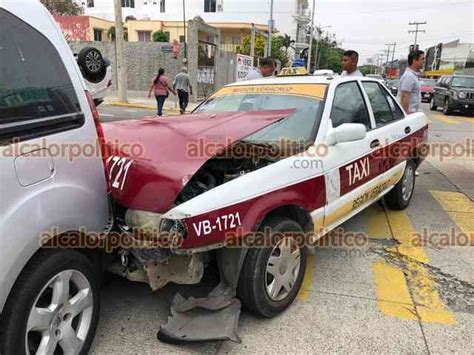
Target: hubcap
x=93 y=61
x=61 y=315
x=408 y=183
x=283 y=268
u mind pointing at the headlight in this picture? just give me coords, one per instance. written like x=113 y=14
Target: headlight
x=175 y=229
x=462 y=95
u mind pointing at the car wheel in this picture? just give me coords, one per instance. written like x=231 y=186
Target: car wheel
x=92 y=64
x=272 y=276
x=433 y=106
x=400 y=196
x=53 y=307
x=446 y=109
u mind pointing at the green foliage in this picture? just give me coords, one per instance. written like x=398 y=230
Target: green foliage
x=160 y=36
x=329 y=54
x=111 y=33
x=280 y=47
x=63 y=7
x=368 y=69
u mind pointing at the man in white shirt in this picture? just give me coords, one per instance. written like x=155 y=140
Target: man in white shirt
x=265 y=68
x=410 y=85
x=350 y=59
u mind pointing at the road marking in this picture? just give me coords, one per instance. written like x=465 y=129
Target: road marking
x=305 y=290
x=460 y=208
x=377 y=224
x=393 y=296
x=428 y=304
x=466 y=119
x=106 y=115
x=444 y=119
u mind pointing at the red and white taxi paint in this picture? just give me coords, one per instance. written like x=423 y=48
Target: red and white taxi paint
x=351 y=176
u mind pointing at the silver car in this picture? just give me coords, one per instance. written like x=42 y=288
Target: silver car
x=53 y=189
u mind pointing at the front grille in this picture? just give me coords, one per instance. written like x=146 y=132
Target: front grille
x=470 y=95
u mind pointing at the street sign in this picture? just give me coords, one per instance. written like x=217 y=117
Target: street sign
x=243 y=67
x=166 y=48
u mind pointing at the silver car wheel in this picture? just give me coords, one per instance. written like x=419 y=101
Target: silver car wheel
x=61 y=315
x=283 y=268
x=93 y=61
x=408 y=182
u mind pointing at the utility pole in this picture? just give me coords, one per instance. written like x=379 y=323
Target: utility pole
x=252 y=41
x=308 y=65
x=184 y=32
x=416 y=30
x=270 y=30
x=388 y=54
x=393 y=56
x=121 y=73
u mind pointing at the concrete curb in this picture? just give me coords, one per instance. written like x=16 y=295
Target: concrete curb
x=132 y=105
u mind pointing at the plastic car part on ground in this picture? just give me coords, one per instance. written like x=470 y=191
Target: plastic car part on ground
x=214 y=317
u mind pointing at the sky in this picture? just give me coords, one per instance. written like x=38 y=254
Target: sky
x=367 y=25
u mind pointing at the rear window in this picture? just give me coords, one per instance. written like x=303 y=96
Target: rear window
x=34 y=84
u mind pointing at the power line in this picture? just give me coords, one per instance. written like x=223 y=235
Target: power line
x=417 y=30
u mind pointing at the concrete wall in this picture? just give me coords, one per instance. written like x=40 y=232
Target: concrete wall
x=142 y=60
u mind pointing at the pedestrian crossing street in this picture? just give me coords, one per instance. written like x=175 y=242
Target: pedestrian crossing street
x=404 y=285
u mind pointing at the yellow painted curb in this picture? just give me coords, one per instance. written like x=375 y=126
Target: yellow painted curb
x=131 y=105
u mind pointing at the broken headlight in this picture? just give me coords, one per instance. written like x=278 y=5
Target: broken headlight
x=175 y=229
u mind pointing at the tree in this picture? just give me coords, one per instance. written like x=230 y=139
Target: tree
x=285 y=42
x=111 y=33
x=278 y=48
x=160 y=36
x=329 y=54
x=63 y=7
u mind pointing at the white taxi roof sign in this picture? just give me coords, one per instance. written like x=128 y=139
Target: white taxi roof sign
x=293 y=71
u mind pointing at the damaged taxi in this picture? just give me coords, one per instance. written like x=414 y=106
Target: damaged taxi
x=283 y=156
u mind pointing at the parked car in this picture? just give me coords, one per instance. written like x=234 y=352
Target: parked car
x=49 y=297
x=427 y=89
x=245 y=161
x=96 y=71
x=392 y=84
x=454 y=93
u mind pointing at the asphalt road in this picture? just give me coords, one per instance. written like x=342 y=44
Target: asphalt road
x=387 y=296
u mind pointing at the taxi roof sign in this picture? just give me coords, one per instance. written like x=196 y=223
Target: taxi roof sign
x=293 y=71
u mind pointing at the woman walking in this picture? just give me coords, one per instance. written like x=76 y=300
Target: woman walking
x=161 y=87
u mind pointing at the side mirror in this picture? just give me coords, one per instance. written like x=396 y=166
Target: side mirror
x=347 y=132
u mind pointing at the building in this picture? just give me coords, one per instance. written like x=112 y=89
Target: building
x=447 y=58
x=288 y=15
x=91 y=28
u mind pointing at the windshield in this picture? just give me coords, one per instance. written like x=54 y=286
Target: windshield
x=299 y=126
x=463 y=81
x=428 y=82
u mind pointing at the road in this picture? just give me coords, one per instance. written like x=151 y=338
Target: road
x=387 y=296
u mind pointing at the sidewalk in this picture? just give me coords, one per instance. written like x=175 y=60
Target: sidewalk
x=139 y=99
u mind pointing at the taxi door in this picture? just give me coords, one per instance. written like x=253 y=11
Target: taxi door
x=350 y=168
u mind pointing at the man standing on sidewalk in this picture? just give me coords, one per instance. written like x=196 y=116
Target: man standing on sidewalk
x=265 y=68
x=409 y=87
x=183 y=86
x=349 y=62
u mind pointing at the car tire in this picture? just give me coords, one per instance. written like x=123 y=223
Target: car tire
x=447 y=110
x=433 y=106
x=400 y=196
x=256 y=278
x=92 y=64
x=72 y=311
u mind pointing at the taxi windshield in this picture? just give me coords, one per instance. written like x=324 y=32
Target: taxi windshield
x=299 y=126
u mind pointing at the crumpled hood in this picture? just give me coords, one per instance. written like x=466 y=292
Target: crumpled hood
x=173 y=149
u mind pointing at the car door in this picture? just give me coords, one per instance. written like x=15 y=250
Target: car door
x=442 y=90
x=349 y=167
x=391 y=130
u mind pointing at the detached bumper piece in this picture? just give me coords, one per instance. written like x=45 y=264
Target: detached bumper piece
x=212 y=318
x=202 y=319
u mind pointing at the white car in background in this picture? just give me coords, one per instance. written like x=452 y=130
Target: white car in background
x=97 y=72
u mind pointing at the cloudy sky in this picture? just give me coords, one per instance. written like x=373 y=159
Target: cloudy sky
x=366 y=25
